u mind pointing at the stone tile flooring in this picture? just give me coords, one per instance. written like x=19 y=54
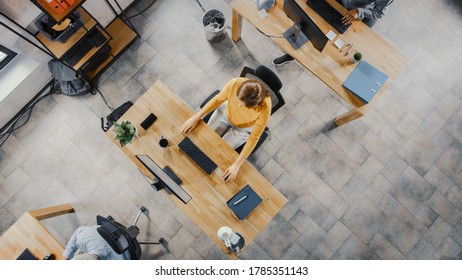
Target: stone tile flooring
x=386 y=186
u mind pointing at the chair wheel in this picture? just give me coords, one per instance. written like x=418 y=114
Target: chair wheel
x=164 y=243
x=144 y=210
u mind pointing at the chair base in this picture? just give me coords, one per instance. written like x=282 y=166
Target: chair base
x=161 y=241
x=109 y=228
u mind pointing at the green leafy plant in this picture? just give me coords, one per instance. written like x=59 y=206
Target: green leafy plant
x=358 y=56
x=125 y=132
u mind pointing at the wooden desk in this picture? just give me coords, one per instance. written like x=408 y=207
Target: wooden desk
x=29 y=233
x=330 y=66
x=209 y=193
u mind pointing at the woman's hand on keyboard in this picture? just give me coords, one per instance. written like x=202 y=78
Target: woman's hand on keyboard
x=350 y=16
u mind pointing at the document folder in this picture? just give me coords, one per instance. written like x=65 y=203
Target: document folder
x=365 y=81
x=244 y=202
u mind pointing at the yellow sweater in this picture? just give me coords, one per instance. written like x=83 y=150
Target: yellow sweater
x=242 y=116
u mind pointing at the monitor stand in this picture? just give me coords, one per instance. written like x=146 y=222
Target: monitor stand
x=172 y=175
x=295 y=37
x=158 y=186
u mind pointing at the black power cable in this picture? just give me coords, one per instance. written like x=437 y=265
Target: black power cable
x=28 y=110
x=104 y=98
x=144 y=10
x=270 y=36
x=200 y=5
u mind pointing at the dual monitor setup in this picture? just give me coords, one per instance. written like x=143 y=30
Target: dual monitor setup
x=304 y=28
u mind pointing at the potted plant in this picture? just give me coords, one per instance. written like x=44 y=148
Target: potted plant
x=357 y=57
x=125 y=132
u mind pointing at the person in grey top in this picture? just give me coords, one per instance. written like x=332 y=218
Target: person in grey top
x=366 y=10
x=87 y=240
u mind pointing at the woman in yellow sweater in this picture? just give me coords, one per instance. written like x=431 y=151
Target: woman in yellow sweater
x=243 y=108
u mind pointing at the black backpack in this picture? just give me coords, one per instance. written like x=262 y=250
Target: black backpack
x=115 y=115
x=69 y=82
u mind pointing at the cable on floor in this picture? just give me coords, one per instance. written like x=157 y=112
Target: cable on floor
x=270 y=36
x=200 y=5
x=28 y=111
x=144 y=10
x=103 y=97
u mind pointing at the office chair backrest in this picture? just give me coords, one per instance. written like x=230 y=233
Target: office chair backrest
x=272 y=82
x=269 y=77
x=116 y=235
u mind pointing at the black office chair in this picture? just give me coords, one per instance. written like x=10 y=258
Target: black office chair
x=273 y=85
x=121 y=238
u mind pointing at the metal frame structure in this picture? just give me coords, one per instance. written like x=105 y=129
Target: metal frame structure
x=50 y=54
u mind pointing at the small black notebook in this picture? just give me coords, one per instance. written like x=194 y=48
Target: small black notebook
x=27 y=255
x=148 y=121
x=244 y=202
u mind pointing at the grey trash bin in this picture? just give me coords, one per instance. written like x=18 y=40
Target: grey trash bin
x=214 y=25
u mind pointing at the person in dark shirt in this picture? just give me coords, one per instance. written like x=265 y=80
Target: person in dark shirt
x=366 y=10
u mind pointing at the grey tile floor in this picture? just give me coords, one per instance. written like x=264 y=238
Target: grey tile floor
x=387 y=186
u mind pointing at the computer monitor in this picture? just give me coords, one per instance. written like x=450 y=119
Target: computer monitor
x=6 y=55
x=304 y=29
x=163 y=178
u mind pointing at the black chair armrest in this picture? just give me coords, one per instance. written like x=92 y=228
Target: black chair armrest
x=247 y=70
x=280 y=102
x=212 y=95
x=206 y=118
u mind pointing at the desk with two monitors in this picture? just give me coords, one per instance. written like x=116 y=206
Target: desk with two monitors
x=209 y=193
x=331 y=66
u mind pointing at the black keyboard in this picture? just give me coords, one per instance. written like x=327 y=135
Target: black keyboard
x=77 y=51
x=198 y=156
x=329 y=14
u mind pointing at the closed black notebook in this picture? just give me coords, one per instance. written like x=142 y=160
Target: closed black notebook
x=244 y=202
x=27 y=255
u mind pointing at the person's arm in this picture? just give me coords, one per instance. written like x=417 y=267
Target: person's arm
x=71 y=246
x=369 y=12
x=258 y=128
x=255 y=135
x=375 y=12
x=231 y=172
x=216 y=101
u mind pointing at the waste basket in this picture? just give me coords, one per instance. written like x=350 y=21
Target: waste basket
x=214 y=25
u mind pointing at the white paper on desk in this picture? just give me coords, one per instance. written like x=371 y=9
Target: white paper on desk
x=339 y=43
x=262 y=13
x=331 y=35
